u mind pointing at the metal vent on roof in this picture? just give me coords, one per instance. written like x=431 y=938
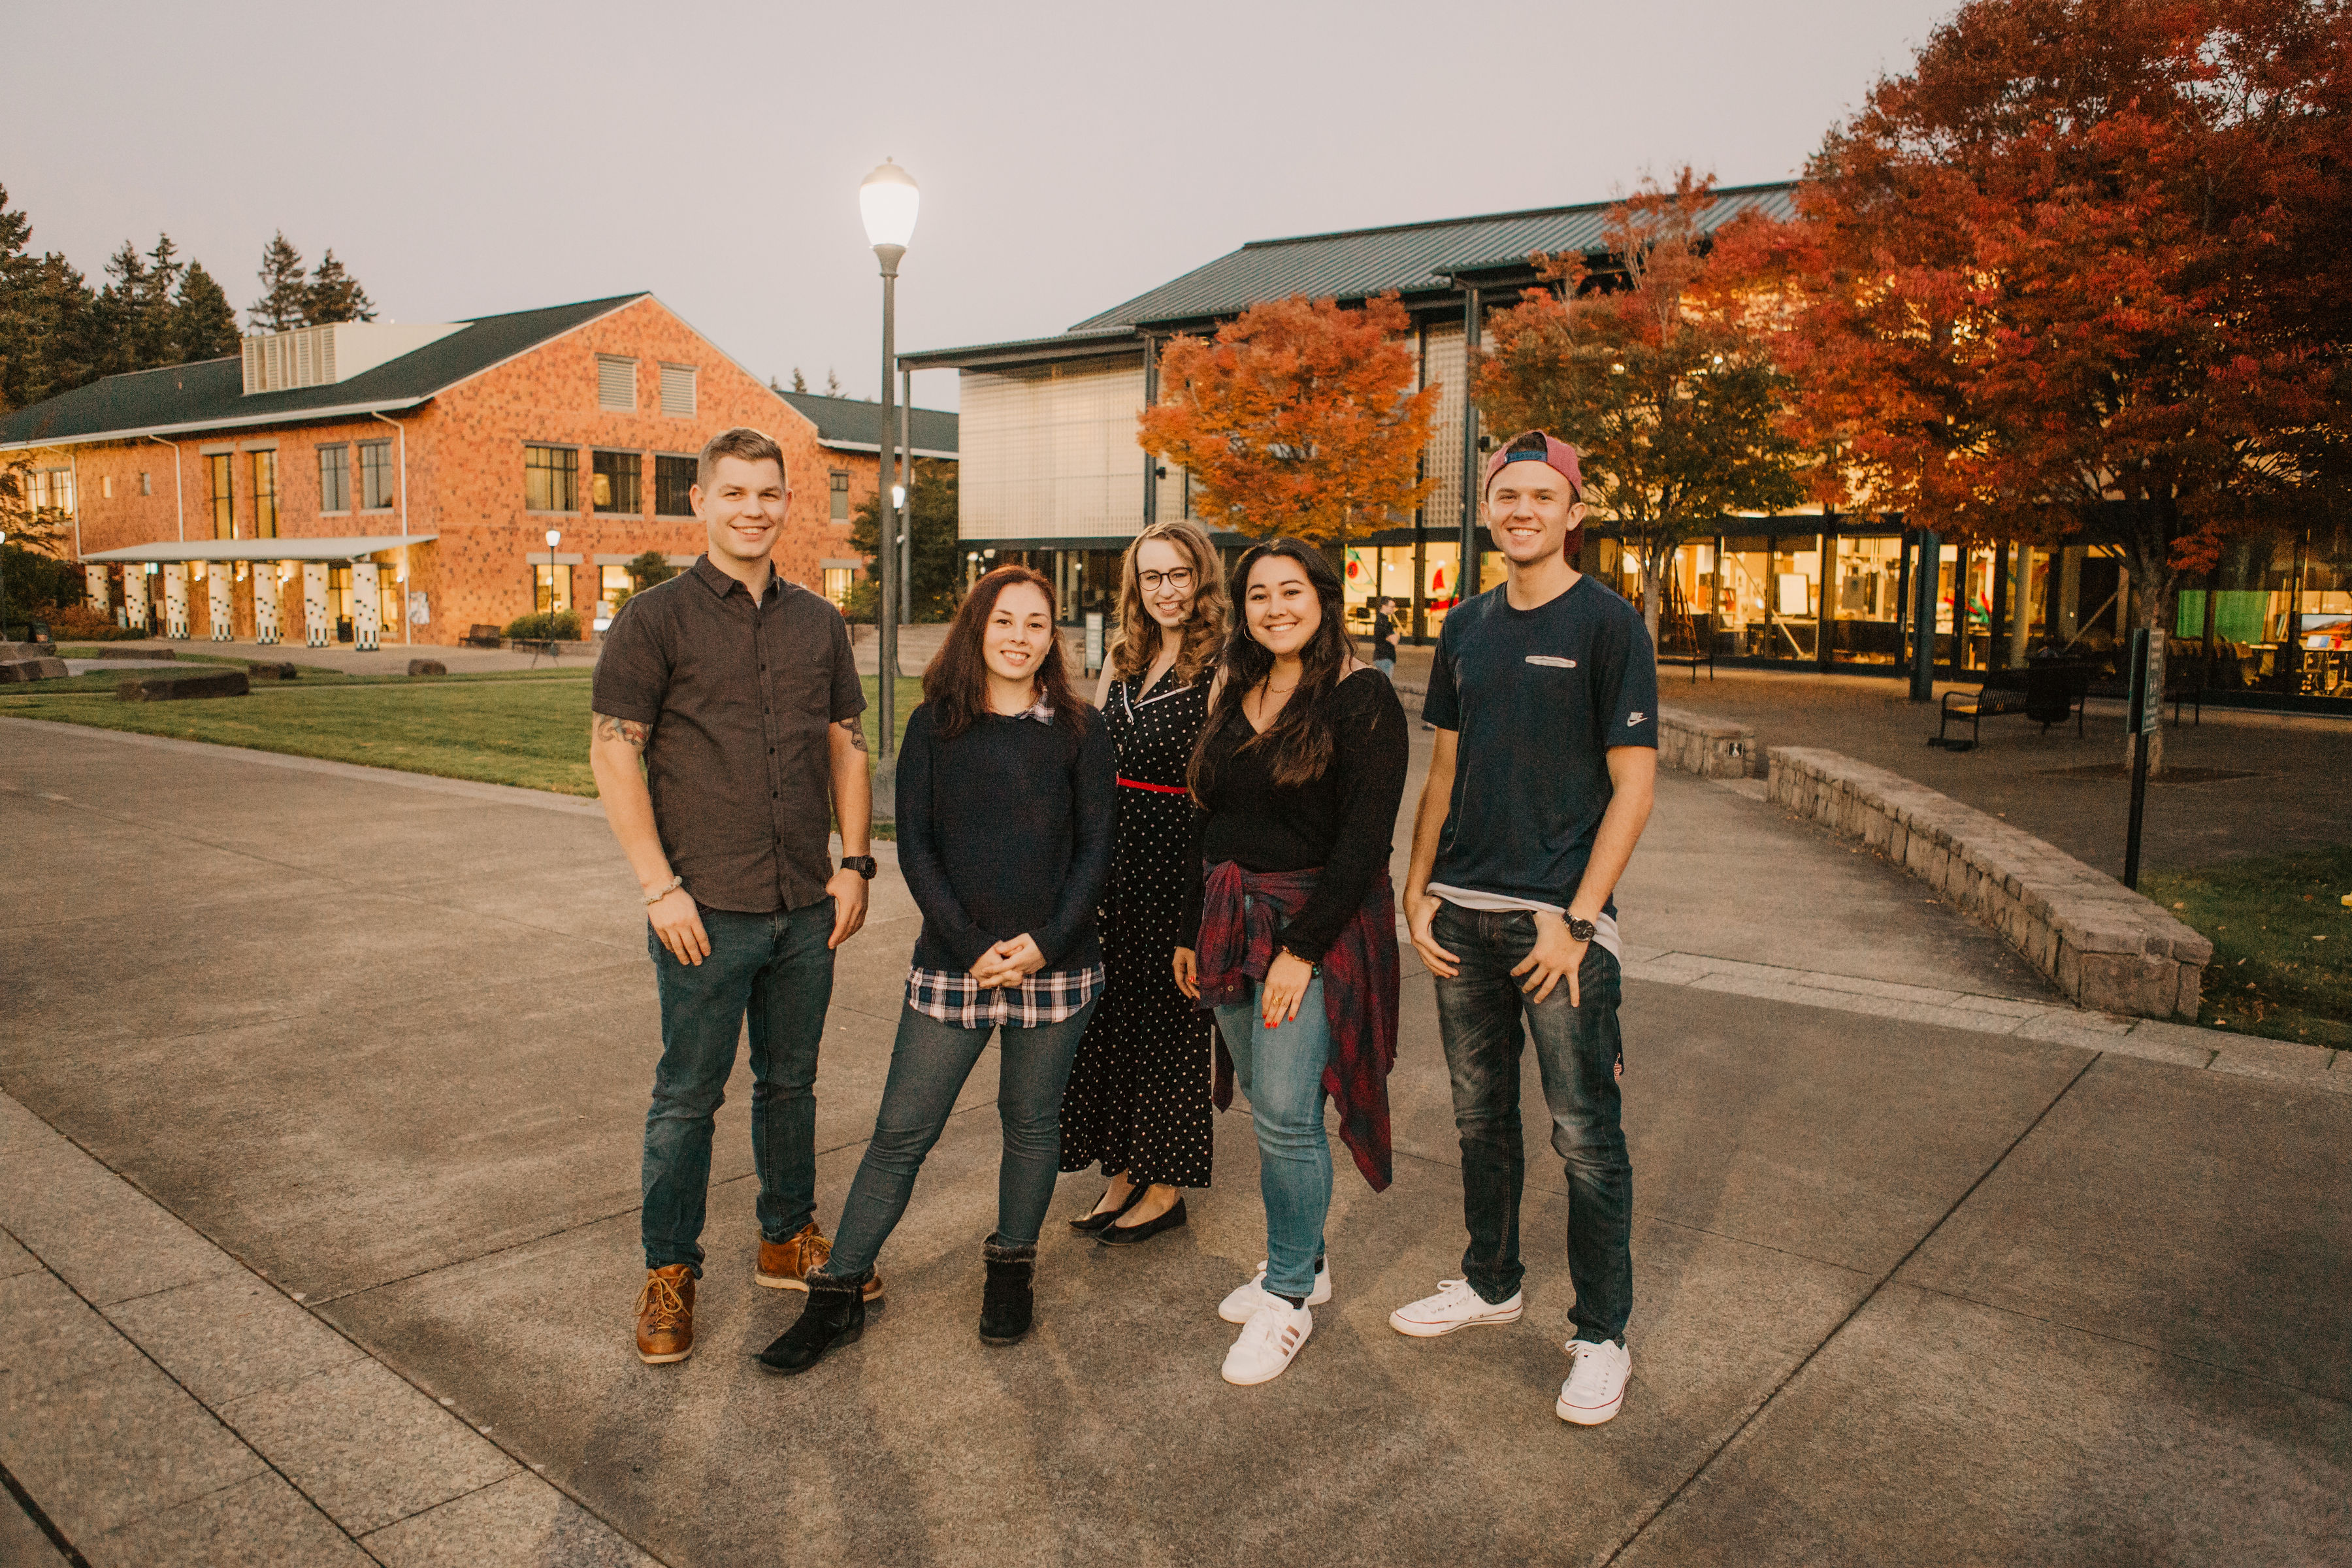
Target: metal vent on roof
x=616 y=381
x=677 y=390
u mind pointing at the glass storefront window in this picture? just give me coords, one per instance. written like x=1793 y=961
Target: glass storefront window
x=1863 y=599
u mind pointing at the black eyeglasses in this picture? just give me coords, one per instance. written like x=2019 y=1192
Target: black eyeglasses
x=1177 y=578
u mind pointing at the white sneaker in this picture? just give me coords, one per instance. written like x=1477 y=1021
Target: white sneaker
x=1269 y=1341
x=1456 y=1305
x=1597 y=1386
x=1247 y=1298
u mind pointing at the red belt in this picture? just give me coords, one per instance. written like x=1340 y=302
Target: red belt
x=1162 y=789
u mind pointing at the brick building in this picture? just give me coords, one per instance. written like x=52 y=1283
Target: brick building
x=399 y=480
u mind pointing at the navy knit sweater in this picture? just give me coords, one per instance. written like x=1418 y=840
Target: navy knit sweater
x=1005 y=829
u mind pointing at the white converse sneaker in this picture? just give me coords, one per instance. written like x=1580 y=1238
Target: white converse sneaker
x=1269 y=1341
x=1597 y=1386
x=1247 y=1298
x=1456 y=1305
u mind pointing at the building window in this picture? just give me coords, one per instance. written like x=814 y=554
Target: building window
x=673 y=486
x=616 y=485
x=376 y=479
x=841 y=495
x=334 y=479
x=837 y=585
x=50 y=490
x=677 y=390
x=218 y=496
x=551 y=479
x=612 y=586
x=146 y=483
x=265 y=494
x=552 y=586
x=616 y=382
x=106 y=486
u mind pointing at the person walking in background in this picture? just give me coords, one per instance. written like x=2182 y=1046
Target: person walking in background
x=1289 y=921
x=1545 y=694
x=725 y=738
x=1004 y=835
x=1138 y=1094
x=1384 y=637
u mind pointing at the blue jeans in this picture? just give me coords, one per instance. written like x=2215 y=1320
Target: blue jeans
x=1577 y=1048
x=1281 y=1070
x=776 y=970
x=929 y=1065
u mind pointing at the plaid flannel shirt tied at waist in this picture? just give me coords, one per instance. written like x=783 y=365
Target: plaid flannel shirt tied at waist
x=1048 y=996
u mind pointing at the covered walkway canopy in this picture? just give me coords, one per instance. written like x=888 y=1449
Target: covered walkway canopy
x=356 y=547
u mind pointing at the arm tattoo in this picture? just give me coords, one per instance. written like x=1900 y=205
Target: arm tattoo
x=608 y=727
x=857 y=732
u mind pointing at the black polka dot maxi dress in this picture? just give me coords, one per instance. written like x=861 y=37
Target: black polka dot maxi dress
x=1138 y=1094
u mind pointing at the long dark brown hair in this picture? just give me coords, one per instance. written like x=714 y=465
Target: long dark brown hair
x=955 y=686
x=1137 y=644
x=1298 y=744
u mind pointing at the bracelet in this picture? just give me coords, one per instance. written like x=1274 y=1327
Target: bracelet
x=665 y=890
x=1313 y=968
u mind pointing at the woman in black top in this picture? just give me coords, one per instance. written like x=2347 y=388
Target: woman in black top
x=1139 y=1095
x=1291 y=923
x=1004 y=837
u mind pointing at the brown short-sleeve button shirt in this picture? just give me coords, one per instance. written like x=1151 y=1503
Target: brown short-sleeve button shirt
x=739 y=696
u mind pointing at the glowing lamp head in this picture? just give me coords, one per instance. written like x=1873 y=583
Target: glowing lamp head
x=554 y=538
x=888 y=201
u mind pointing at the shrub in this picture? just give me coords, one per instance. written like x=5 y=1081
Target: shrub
x=546 y=625
x=648 y=569
x=79 y=623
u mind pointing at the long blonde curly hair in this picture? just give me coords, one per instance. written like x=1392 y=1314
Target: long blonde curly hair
x=1138 y=643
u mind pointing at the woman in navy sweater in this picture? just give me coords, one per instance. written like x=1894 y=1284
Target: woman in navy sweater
x=1006 y=821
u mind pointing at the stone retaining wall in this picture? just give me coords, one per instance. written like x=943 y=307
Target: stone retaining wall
x=1711 y=747
x=2105 y=946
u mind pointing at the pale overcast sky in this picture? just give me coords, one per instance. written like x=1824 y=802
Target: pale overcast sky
x=470 y=158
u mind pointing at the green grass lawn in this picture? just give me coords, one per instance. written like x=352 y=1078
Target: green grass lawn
x=526 y=727
x=2280 y=932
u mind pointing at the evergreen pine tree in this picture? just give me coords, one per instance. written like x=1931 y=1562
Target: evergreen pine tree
x=799 y=381
x=44 y=308
x=204 y=321
x=832 y=383
x=334 y=295
x=284 y=294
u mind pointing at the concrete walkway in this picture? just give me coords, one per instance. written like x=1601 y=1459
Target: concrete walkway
x=324 y=1093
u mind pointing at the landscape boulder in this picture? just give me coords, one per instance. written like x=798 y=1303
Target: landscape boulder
x=427 y=667
x=270 y=669
x=17 y=671
x=139 y=653
x=180 y=688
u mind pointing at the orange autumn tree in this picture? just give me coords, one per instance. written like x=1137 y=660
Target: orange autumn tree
x=1299 y=418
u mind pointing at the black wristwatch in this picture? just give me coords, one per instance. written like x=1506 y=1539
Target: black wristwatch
x=864 y=864
x=1581 y=929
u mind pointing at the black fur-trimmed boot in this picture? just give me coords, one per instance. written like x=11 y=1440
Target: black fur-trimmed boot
x=835 y=1317
x=1007 y=1302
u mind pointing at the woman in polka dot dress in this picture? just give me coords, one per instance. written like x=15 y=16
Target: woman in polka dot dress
x=1139 y=1095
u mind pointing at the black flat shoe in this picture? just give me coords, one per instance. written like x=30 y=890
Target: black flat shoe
x=1129 y=1236
x=1092 y=1223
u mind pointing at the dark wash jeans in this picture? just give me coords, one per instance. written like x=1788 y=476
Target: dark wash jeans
x=1578 y=1049
x=775 y=970
x=929 y=1064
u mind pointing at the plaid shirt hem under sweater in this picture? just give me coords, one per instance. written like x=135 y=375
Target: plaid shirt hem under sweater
x=1049 y=996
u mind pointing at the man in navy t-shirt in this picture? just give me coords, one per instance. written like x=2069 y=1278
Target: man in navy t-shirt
x=1544 y=695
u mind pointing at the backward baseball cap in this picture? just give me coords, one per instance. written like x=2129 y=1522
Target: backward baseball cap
x=1537 y=447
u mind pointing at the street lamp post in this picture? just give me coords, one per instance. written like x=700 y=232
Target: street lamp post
x=888 y=202
x=554 y=538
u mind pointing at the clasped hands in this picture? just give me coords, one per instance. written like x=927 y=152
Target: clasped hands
x=1008 y=963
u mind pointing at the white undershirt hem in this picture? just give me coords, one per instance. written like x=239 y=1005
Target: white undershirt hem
x=1604 y=926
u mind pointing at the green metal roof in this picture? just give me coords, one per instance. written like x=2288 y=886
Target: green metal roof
x=209 y=394
x=1409 y=257
x=852 y=421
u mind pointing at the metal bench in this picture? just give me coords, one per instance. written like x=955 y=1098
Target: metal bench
x=2044 y=691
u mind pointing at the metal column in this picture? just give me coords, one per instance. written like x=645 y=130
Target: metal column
x=1474 y=533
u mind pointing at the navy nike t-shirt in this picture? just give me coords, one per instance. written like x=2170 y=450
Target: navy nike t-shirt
x=1538 y=698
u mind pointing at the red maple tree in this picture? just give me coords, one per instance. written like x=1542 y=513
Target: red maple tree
x=2055 y=284
x=1298 y=417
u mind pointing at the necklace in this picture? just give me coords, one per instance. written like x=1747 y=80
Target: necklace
x=1271 y=690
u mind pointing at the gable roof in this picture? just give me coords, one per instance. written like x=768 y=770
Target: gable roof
x=209 y=394
x=850 y=424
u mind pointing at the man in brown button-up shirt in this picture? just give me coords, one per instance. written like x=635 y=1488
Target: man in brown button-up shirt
x=725 y=737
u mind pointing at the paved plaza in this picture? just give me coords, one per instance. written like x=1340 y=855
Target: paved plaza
x=324 y=1089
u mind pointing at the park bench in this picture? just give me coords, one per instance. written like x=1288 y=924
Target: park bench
x=2045 y=692
x=481 y=635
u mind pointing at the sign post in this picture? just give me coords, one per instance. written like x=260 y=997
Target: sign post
x=2146 y=711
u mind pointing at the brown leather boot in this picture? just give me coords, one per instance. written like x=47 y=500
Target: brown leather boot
x=666 y=1315
x=786 y=1264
